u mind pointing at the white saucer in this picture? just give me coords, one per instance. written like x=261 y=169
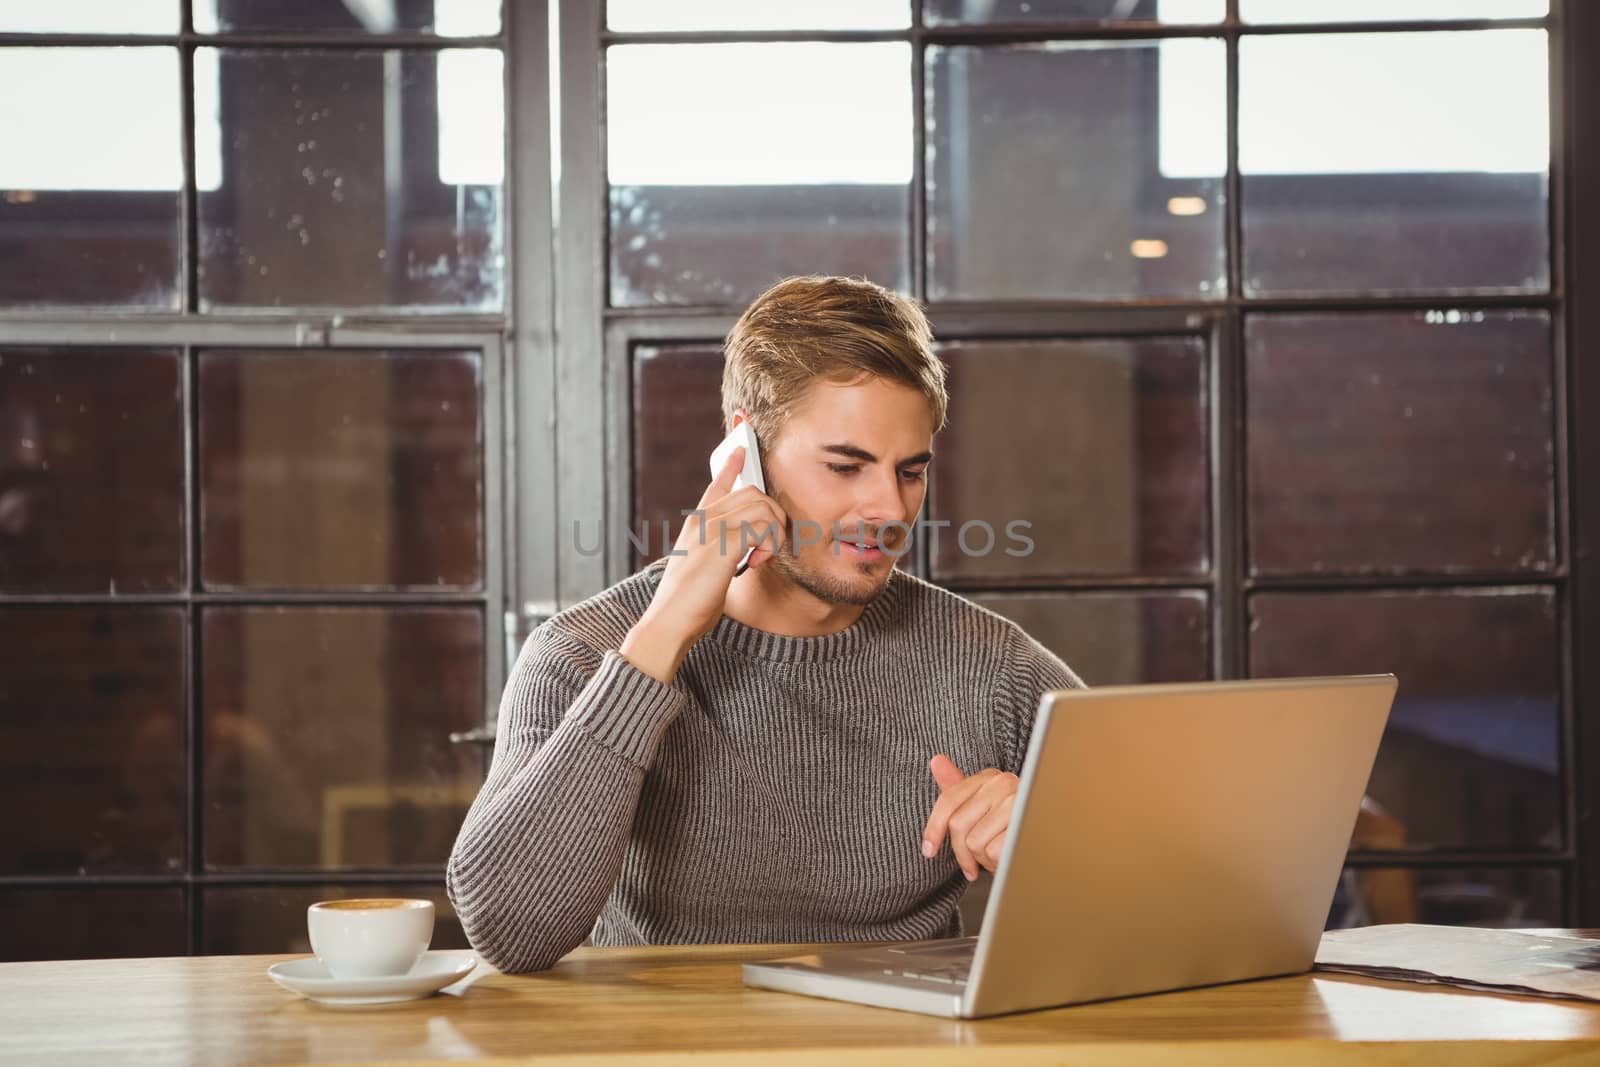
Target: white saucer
x=433 y=972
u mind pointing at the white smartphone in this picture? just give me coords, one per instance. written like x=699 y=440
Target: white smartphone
x=741 y=436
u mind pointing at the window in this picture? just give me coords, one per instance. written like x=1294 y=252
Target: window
x=1274 y=370
x=252 y=556
x=1295 y=347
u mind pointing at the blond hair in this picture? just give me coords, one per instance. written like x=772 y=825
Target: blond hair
x=825 y=329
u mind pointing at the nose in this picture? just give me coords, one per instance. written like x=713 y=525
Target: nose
x=885 y=500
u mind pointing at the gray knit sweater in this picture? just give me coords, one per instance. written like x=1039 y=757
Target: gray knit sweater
x=775 y=792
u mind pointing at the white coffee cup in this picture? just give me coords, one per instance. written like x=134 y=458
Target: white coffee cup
x=370 y=937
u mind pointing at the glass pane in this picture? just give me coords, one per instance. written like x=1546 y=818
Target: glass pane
x=1387 y=10
x=80 y=923
x=90 y=16
x=1116 y=638
x=354 y=179
x=1385 y=183
x=447 y=18
x=92 y=740
x=89 y=179
x=1103 y=453
x=1471 y=755
x=341 y=470
x=1501 y=897
x=327 y=734
x=272 y=919
x=677 y=421
x=937 y=12
x=634 y=16
x=1126 y=150
x=91 y=471
x=1401 y=442
x=715 y=195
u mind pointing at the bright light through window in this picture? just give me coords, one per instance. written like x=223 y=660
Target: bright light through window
x=472 y=116
x=1387 y=10
x=89 y=16
x=451 y=18
x=1192 y=103
x=61 y=130
x=1389 y=103
x=132 y=140
x=759 y=114
x=207 y=119
x=737 y=114
x=1177 y=12
x=467 y=18
x=644 y=16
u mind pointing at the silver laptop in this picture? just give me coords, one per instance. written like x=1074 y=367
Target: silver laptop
x=1164 y=836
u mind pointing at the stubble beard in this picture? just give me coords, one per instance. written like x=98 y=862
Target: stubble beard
x=825 y=586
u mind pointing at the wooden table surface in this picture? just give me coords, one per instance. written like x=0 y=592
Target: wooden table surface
x=671 y=1005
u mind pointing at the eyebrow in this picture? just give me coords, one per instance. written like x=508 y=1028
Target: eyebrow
x=853 y=452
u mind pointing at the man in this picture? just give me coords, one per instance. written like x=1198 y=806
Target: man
x=820 y=749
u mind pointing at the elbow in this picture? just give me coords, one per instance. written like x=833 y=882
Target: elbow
x=516 y=950
x=510 y=942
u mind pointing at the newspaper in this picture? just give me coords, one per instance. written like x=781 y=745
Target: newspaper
x=1505 y=961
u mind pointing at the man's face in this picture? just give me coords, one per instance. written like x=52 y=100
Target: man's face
x=851 y=461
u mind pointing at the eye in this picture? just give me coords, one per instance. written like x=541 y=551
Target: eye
x=914 y=476
x=844 y=468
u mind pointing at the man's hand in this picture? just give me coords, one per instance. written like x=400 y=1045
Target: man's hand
x=975 y=810
x=694 y=585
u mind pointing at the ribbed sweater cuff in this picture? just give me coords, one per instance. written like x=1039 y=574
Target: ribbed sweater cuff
x=625 y=709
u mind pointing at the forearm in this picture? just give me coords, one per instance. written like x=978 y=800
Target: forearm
x=534 y=864
x=542 y=847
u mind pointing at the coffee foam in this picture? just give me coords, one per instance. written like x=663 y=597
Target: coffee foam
x=370 y=904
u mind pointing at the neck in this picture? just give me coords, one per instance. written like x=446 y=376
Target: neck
x=767 y=600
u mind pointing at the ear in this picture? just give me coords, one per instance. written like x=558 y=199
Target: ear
x=740 y=415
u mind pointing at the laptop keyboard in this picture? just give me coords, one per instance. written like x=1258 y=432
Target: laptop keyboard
x=950 y=974
x=948 y=964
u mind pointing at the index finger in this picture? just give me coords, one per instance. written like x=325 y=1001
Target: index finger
x=938 y=824
x=722 y=484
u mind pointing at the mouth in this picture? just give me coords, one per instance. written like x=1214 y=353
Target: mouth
x=866 y=550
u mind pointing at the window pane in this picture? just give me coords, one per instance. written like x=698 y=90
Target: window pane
x=715 y=194
x=91 y=471
x=447 y=18
x=1388 y=10
x=936 y=12
x=1384 y=182
x=341 y=470
x=1471 y=755
x=1118 y=151
x=1116 y=638
x=80 y=923
x=240 y=922
x=91 y=16
x=1103 y=453
x=354 y=179
x=89 y=179
x=327 y=734
x=92 y=740
x=677 y=421
x=1401 y=442
x=1500 y=897
x=633 y=16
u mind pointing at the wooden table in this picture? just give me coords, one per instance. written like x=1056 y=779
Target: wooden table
x=674 y=1005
